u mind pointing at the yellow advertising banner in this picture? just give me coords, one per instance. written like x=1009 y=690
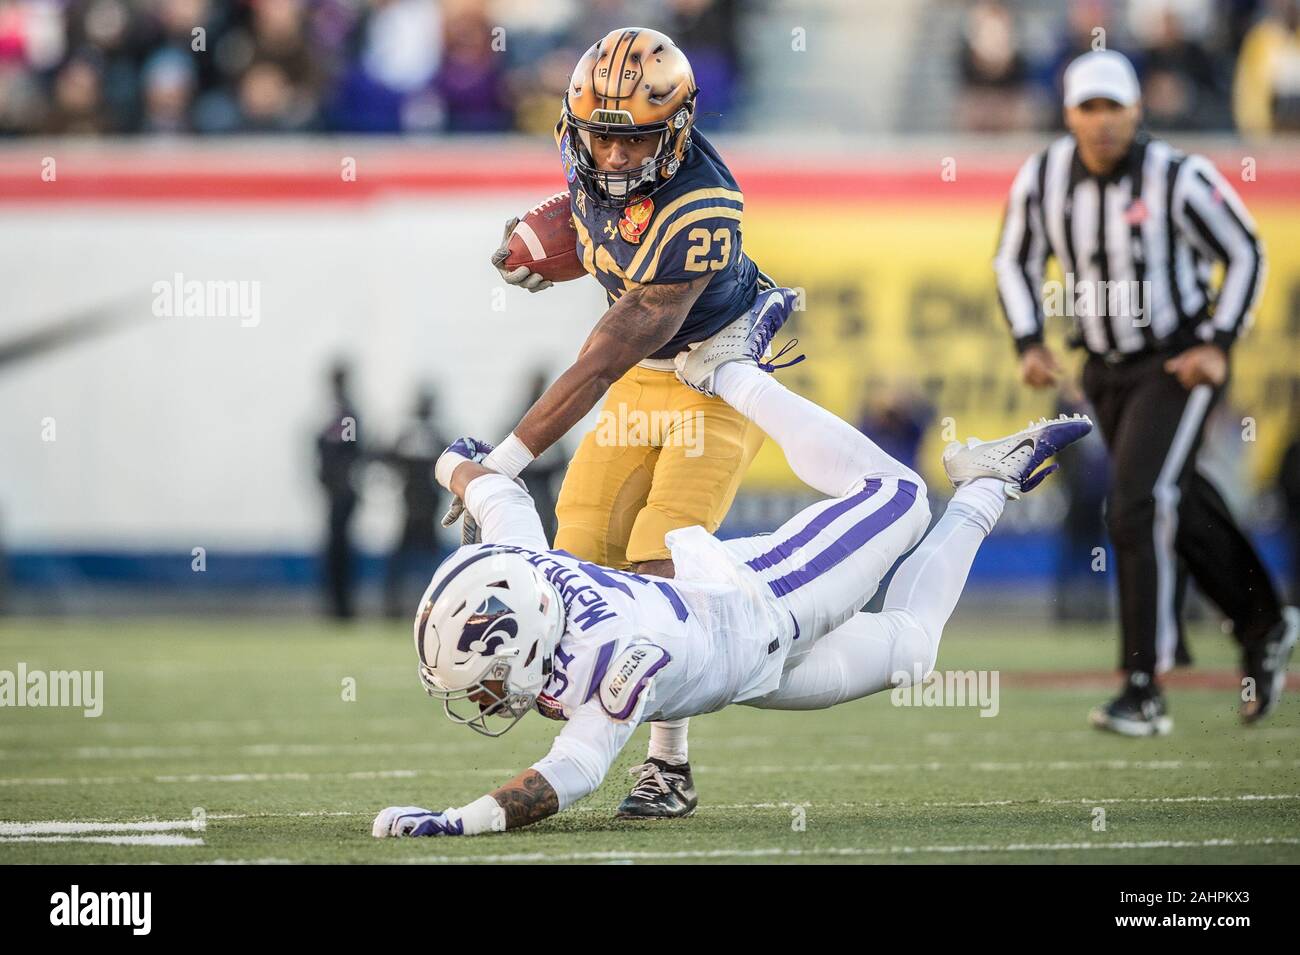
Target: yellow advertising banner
x=901 y=299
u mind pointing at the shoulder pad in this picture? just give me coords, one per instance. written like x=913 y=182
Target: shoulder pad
x=622 y=688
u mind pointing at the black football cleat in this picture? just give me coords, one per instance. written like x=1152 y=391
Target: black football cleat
x=1267 y=667
x=1138 y=711
x=662 y=791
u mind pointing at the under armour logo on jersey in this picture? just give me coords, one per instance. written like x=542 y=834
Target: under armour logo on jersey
x=482 y=633
x=610 y=231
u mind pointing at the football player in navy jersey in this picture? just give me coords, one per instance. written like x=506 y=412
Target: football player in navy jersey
x=658 y=217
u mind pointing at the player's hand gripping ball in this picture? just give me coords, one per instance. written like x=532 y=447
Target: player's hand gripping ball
x=541 y=248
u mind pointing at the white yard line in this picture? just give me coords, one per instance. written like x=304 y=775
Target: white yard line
x=812 y=804
x=154 y=832
x=1005 y=767
x=933 y=738
x=90 y=826
x=251 y=749
x=753 y=770
x=851 y=852
x=56 y=827
x=249 y=777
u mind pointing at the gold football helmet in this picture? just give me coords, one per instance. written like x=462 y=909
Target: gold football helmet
x=633 y=81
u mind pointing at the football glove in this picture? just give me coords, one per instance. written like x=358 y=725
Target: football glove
x=414 y=821
x=523 y=276
x=471 y=449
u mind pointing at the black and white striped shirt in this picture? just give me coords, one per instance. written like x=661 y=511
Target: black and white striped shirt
x=1136 y=248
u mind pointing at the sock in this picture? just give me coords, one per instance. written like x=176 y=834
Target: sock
x=668 y=741
x=930 y=581
x=825 y=452
x=983 y=500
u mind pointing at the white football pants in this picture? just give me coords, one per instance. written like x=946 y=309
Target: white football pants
x=825 y=563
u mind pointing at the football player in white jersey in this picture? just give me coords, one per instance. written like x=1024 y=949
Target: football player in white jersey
x=772 y=621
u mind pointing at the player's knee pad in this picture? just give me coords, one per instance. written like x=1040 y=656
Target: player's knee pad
x=914 y=650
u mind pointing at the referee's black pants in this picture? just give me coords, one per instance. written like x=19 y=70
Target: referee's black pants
x=1161 y=510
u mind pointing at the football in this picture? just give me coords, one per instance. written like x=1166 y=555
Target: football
x=546 y=241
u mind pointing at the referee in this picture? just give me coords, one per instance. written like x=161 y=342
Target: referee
x=1136 y=227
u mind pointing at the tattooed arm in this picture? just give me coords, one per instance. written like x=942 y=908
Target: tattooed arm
x=574 y=768
x=579 y=758
x=635 y=327
x=526 y=799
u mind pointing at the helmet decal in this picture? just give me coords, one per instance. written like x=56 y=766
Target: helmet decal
x=486 y=630
x=567 y=157
x=632 y=82
x=490 y=626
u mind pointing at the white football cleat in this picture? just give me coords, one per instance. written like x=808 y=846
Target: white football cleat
x=1013 y=459
x=745 y=340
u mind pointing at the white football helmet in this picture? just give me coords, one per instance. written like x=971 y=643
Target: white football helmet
x=487 y=615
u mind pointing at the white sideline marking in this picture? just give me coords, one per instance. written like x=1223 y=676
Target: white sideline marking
x=811 y=804
x=152 y=825
x=268 y=861
x=610 y=856
x=876 y=768
x=983 y=803
x=154 y=839
x=225 y=728
x=250 y=777
x=53 y=827
x=256 y=749
x=240 y=862
x=1005 y=767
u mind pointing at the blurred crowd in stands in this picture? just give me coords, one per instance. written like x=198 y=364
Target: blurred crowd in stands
x=1205 y=65
x=384 y=66
x=371 y=66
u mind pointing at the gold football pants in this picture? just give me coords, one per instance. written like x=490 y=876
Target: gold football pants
x=662 y=456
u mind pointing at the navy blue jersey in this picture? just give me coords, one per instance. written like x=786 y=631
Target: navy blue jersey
x=689 y=228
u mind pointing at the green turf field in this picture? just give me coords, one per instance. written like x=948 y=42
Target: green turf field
x=246 y=722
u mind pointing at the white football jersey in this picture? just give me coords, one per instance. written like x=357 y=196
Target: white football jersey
x=637 y=648
x=625 y=633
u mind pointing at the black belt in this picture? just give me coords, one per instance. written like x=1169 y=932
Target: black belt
x=1117 y=358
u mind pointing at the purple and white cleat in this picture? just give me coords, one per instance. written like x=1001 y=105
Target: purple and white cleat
x=747 y=339
x=1013 y=459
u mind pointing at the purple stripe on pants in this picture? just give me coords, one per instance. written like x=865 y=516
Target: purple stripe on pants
x=786 y=549
x=854 y=538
